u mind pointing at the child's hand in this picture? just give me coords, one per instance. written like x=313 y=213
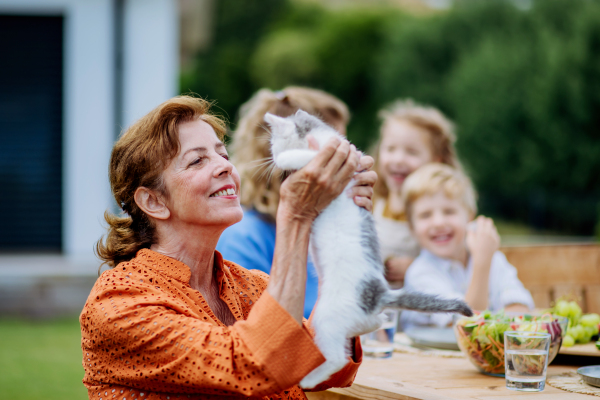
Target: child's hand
x=482 y=240
x=395 y=268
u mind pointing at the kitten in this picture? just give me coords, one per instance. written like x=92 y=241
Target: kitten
x=345 y=251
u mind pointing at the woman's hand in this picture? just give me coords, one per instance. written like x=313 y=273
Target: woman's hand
x=364 y=180
x=306 y=192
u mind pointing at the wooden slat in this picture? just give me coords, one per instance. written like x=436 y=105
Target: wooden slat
x=542 y=295
x=571 y=290
x=552 y=271
x=592 y=298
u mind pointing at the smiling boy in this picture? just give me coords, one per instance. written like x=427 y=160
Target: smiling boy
x=459 y=256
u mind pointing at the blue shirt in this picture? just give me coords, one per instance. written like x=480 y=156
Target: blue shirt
x=251 y=244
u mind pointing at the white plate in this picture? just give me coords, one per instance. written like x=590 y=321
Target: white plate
x=438 y=338
x=590 y=375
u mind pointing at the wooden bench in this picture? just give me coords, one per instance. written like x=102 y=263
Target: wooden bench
x=551 y=271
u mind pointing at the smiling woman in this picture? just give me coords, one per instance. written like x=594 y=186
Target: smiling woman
x=172 y=317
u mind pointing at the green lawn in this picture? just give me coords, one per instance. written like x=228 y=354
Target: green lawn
x=40 y=360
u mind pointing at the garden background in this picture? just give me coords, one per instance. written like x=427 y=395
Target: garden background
x=520 y=78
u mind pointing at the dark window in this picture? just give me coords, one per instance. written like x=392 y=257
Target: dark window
x=31 y=91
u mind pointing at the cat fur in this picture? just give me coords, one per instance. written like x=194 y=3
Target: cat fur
x=345 y=251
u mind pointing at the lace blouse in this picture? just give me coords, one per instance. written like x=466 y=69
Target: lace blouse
x=146 y=334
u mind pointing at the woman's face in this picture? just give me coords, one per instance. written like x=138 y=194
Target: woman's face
x=404 y=148
x=203 y=185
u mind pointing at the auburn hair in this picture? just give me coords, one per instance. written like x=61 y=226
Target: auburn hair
x=139 y=158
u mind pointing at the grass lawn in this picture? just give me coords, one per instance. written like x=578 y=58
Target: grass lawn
x=40 y=360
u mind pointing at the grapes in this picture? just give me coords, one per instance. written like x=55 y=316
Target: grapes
x=590 y=320
x=581 y=328
x=568 y=341
x=562 y=308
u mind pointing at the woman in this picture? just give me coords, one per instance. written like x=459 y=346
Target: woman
x=251 y=242
x=172 y=318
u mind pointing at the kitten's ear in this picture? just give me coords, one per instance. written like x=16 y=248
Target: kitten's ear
x=279 y=126
x=306 y=123
x=303 y=114
x=274 y=121
x=308 y=120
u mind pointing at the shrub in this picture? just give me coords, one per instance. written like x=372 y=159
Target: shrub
x=522 y=86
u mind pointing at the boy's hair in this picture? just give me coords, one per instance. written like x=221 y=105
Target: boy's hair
x=440 y=129
x=435 y=177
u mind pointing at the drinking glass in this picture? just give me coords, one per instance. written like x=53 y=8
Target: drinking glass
x=380 y=343
x=526 y=360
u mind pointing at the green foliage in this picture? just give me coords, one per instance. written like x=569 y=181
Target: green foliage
x=293 y=44
x=333 y=51
x=221 y=73
x=41 y=360
x=522 y=85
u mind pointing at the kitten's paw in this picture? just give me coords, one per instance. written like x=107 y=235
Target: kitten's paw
x=370 y=325
x=311 y=380
x=324 y=371
x=295 y=159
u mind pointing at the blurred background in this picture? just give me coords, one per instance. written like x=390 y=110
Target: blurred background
x=520 y=78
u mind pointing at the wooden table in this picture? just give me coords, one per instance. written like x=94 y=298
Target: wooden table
x=412 y=377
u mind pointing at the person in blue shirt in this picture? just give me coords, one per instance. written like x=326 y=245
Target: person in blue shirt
x=251 y=242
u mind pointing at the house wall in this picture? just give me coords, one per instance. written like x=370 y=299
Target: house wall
x=150 y=73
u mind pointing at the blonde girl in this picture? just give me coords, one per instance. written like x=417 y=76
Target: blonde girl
x=411 y=135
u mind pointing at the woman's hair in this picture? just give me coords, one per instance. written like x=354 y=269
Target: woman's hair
x=139 y=158
x=440 y=129
x=250 y=145
x=432 y=178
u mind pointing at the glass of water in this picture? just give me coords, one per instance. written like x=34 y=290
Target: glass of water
x=380 y=343
x=526 y=360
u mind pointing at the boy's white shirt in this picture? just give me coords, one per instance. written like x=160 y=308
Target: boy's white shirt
x=449 y=279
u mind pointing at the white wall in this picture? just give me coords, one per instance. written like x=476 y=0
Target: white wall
x=88 y=121
x=151 y=56
x=151 y=71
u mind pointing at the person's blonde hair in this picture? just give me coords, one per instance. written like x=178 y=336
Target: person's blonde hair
x=433 y=178
x=250 y=144
x=139 y=158
x=441 y=134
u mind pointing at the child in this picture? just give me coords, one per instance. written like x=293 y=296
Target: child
x=459 y=256
x=411 y=135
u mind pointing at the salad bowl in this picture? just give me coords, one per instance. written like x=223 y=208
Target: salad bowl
x=481 y=337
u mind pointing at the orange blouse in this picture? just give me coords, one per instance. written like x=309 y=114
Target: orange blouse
x=146 y=334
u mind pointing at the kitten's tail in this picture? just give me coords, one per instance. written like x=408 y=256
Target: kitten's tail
x=416 y=301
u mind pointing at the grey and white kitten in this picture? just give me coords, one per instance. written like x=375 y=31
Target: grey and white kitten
x=345 y=250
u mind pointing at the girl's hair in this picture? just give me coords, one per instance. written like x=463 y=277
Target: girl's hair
x=250 y=145
x=139 y=158
x=432 y=178
x=440 y=129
